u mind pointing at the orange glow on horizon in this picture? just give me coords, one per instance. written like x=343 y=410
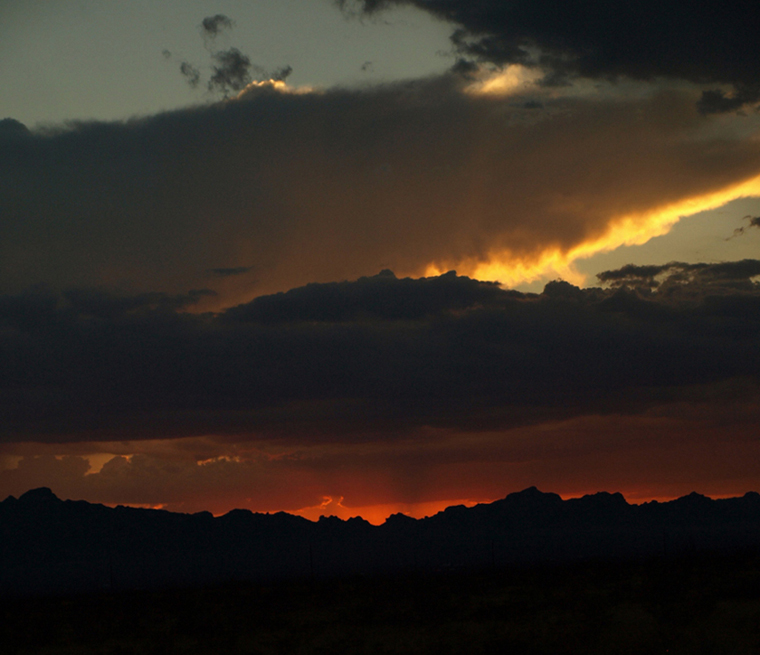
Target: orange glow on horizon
x=377 y=514
x=628 y=230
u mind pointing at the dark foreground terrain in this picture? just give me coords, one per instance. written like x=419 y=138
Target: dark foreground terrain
x=691 y=604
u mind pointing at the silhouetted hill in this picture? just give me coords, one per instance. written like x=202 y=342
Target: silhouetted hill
x=50 y=545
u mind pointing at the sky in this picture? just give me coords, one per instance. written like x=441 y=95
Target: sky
x=366 y=256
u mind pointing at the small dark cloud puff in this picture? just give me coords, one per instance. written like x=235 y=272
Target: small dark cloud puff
x=231 y=72
x=191 y=74
x=752 y=221
x=213 y=25
x=380 y=355
x=706 y=42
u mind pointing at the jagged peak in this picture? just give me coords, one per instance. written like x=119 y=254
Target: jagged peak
x=399 y=519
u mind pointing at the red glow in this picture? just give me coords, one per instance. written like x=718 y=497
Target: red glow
x=377 y=514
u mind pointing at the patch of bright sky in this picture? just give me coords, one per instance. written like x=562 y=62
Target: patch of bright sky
x=704 y=237
x=102 y=59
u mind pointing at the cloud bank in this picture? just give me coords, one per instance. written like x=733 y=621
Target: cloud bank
x=386 y=394
x=378 y=358
x=336 y=184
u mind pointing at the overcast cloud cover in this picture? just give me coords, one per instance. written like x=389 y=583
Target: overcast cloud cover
x=193 y=297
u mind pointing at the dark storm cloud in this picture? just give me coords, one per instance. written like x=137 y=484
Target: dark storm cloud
x=369 y=359
x=707 y=42
x=333 y=185
x=213 y=25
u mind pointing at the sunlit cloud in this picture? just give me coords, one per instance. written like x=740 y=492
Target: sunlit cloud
x=628 y=230
x=274 y=84
x=508 y=81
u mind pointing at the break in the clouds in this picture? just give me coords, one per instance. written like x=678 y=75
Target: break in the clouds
x=335 y=184
x=705 y=42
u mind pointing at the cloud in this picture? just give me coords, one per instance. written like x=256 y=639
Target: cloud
x=680 y=277
x=231 y=73
x=752 y=221
x=211 y=26
x=640 y=455
x=335 y=184
x=373 y=359
x=10 y=128
x=710 y=42
x=191 y=73
x=231 y=69
x=281 y=74
x=717 y=101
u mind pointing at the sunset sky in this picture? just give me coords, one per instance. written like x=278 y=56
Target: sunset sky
x=228 y=231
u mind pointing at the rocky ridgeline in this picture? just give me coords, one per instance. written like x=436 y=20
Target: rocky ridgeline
x=49 y=545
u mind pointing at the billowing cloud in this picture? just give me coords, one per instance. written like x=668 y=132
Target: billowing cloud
x=712 y=41
x=319 y=186
x=375 y=359
x=386 y=394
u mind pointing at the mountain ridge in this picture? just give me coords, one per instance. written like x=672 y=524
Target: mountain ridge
x=49 y=545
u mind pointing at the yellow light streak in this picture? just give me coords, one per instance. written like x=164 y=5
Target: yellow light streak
x=627 y=230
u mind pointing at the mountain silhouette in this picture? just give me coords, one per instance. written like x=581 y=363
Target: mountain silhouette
x=48 y=545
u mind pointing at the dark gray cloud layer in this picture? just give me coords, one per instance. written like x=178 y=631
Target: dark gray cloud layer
x=379 y=356
x=706 y=41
